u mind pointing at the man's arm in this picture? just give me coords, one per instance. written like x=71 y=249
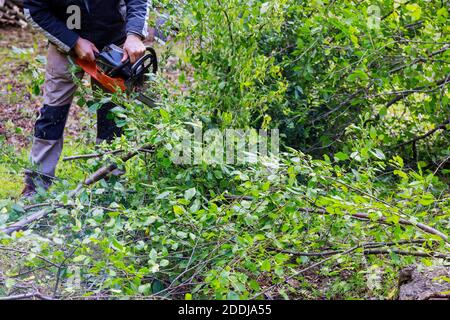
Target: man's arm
x=137 y=16
x=39 y=15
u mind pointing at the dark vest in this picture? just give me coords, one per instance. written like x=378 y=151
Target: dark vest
x=102 y=21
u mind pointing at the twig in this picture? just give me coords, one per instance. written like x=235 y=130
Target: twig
x=438 y=296
x=38 y=205
x=407 y=253
x=237 y=198
x=58 y=272
x=402 y=96
x=91 y=156
x=421 y=59
x=26 y=252
x=441 y=164
x=442 y=126
x=286 y=279
x=27 y=296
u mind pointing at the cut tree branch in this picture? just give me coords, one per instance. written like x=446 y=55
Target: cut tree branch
x=27 y=296
x=402 y=221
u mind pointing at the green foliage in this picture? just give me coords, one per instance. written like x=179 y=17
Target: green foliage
x=320 y=73
x=312 y=68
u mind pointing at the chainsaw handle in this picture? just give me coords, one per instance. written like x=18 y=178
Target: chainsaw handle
x=137 y=70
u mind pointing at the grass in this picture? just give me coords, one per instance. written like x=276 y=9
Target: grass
x=10 y=184
x=12 y=164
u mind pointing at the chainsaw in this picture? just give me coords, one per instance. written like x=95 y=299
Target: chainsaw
x=113 y=75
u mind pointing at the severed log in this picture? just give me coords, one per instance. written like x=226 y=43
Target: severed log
x=95 y=177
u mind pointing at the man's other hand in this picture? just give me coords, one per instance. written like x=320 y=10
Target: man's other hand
x=85 y=50
x=134 y=48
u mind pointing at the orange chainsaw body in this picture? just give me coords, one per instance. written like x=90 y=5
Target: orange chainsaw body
x=108 y=83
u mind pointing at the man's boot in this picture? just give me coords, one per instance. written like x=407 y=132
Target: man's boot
x=34 y=180
x=29 y=190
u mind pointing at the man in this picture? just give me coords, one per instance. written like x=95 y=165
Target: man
x=99 y=23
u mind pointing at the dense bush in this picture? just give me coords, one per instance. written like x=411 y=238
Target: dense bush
x=315 y=68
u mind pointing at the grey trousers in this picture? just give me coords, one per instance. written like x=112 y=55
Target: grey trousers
x=59 y=90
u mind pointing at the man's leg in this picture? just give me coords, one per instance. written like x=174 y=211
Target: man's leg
x=59 y=90
x=107 y=130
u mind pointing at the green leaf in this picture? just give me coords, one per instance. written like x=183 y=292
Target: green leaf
x=164 y=263
x=178 y=210
x=79 y=258
x=190 y=193
x=378 y=154
x=340 y=156
x=265 y=266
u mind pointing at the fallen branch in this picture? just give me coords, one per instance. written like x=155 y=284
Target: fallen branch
x=91 y=156
x=404 y=95
x=27 y=253
x=95 y=177
x=23 y=223
x=370 y=252
x=421 y=59
x=99 y=155
x=407 y=253
x=363 y=216
x=237 y=198
x=105 y=171
x=401 y=221
x=27 y=296
x=438 y=296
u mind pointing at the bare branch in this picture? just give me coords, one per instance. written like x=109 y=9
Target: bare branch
x=442 y=126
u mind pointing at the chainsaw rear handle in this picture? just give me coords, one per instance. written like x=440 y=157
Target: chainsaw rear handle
x=141 y=67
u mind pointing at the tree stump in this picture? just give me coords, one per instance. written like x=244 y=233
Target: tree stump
x=424 y=283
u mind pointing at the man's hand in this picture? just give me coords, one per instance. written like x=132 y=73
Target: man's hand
x=134 y=48
x=85 y=50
